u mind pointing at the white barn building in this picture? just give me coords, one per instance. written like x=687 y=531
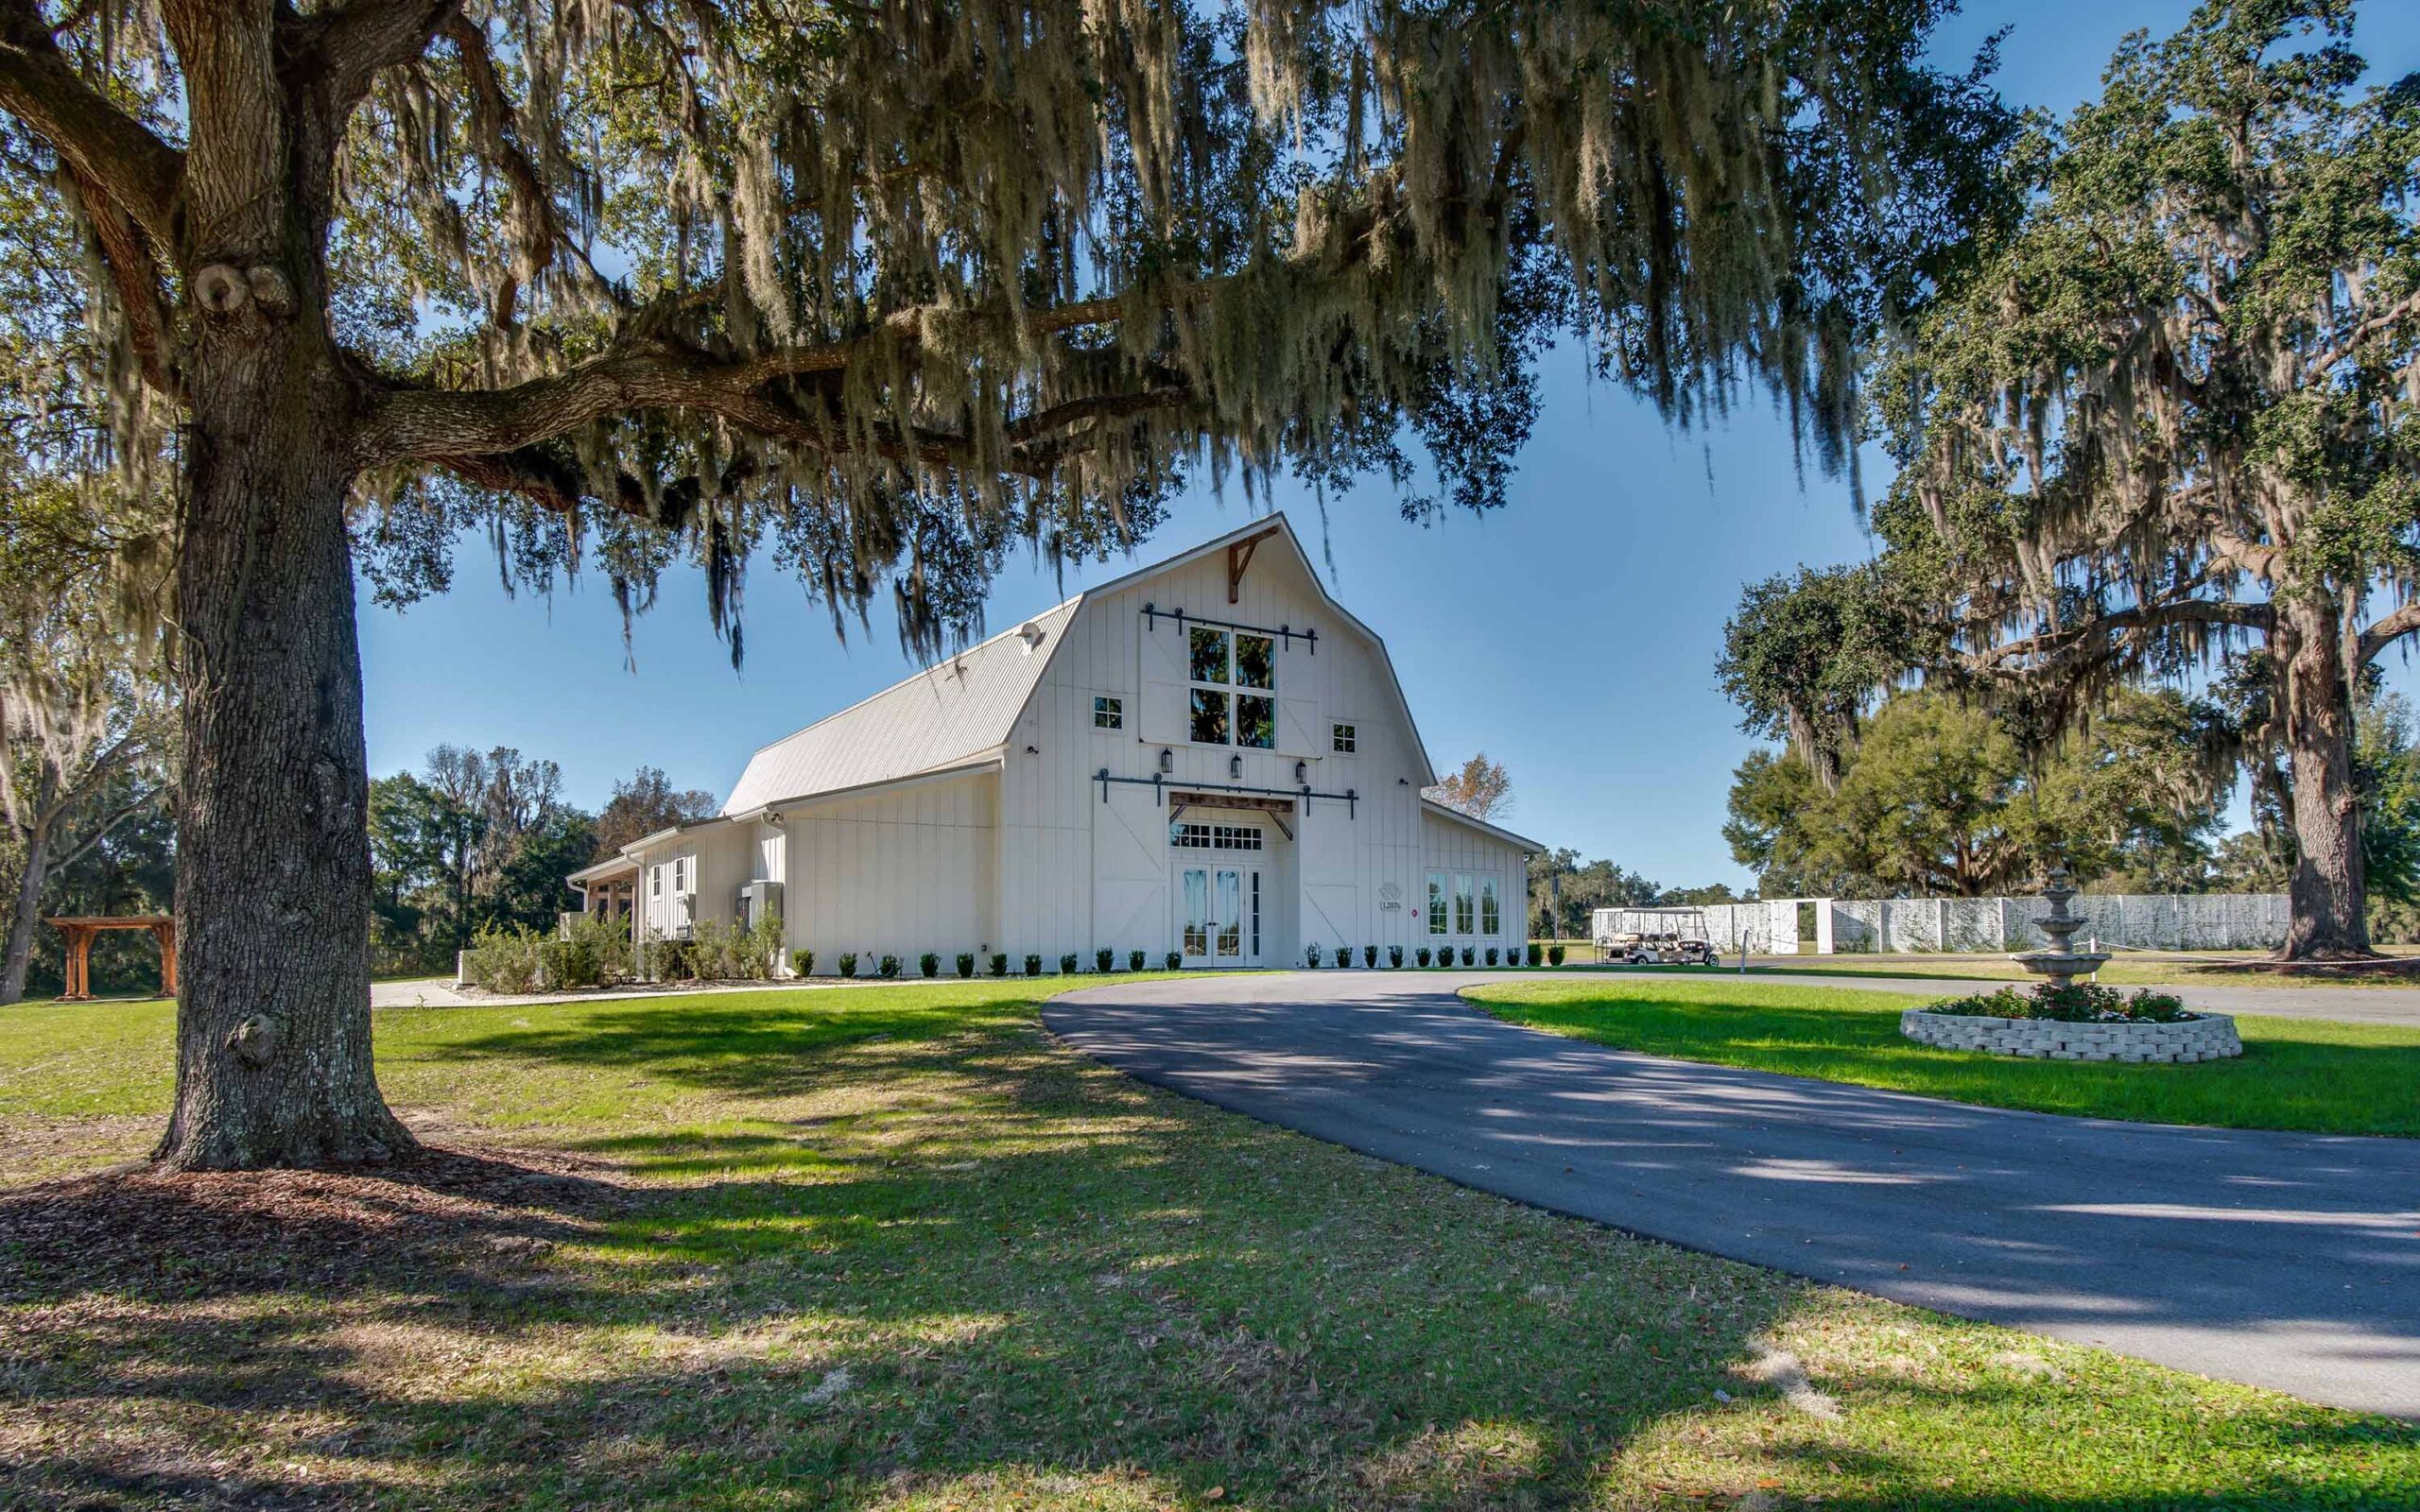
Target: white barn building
x=1209 y=756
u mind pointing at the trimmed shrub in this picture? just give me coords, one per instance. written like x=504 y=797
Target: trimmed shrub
x=1424 y=956
x=966 y=963
x=567 y=963
x=929 y=964
x=671 y=960
x=1537 y=952
x=999 y=964
x=803 y=962
x=1343 y=957
x=1068 y=964
x=505 y=960
x=849 y=963
x=2075 y=1002
x=1394 y=956
x=1033 y=966
x=1134 y=960
x=1469 y=957
x=1490 y=954
x=1370 y=957
x=1311 y=954
x=1175 y=961
x=890 y=966
x=1554 y=955
x=1105 y=961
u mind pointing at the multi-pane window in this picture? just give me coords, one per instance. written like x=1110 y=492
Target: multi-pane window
x=1186 y=836
x=1436 y=903
x=1490 y=912
x=655 y=882
x=1343 y=739
x=1234 y=676
x=1109 y=714
x=1464 y=914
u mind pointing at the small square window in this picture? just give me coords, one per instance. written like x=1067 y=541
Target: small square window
x=1109 y=714
x=1343 y=739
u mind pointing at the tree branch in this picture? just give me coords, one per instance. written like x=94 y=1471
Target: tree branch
x=2335 y=352
x=2389 y=629
x=354 y=41
x=103 y=144
x=2094 y=639
x=141 y=290
x=107 y=827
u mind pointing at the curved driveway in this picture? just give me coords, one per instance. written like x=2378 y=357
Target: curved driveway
x=2285 y=1260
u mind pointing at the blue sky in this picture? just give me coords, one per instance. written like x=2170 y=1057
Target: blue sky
x=1571 y=635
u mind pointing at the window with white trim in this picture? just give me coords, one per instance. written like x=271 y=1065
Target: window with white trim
x=1436 y=903
x=1465 y=915
x=655 y=882
x=1109 y=714
x=1343 y=739
x=1232 y=697
x=1490 y=912
x=1187 y=835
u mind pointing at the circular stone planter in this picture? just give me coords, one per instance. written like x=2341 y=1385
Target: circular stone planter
x=2203 y=1036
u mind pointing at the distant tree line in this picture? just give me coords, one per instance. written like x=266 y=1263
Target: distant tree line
x=1564 y=890
x=477 y=839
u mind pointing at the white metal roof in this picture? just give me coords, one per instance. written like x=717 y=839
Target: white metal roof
x=939 y=717
x=1447 y=810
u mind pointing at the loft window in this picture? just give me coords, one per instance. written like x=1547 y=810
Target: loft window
x=1209 y=725
x=1109 y=714
x=1343 y=739
x=1233 y=699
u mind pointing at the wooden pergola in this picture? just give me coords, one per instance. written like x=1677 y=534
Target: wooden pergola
x=77 y=931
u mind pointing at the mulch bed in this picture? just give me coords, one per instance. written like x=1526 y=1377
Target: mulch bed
x=182 y=1234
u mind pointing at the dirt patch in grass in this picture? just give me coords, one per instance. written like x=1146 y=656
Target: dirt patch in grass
x=144 y=1233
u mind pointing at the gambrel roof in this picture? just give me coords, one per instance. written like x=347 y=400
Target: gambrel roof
x=959 y=712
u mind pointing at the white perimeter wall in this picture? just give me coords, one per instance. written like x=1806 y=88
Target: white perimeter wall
x=2128 y=921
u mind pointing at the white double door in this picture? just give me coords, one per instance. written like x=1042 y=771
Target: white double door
x=1220 y=910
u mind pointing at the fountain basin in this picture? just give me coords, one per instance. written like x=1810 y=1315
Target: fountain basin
x=2186 y=1041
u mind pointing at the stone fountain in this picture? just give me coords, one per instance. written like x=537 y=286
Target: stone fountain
x=2062 y=963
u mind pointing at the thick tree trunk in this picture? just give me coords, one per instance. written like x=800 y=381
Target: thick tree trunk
x=25 y=910
x=273 y=1064
x=2328 y=889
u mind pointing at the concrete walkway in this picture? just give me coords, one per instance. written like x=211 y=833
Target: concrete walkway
x=2283 y=1259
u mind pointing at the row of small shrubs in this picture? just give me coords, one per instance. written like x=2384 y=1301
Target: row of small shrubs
x=929 y=964
x=1315 y=955
x=2075 y=1002
x=850 y=964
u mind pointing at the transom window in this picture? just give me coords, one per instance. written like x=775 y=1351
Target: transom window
x=1109 y=714
x=1186 y=836
x=1234 y=676
x=1343 y=739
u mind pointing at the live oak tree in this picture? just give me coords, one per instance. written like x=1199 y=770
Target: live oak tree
x=1807 y=654
x=1940 y=798
x=878 y=289
x=2171 y=418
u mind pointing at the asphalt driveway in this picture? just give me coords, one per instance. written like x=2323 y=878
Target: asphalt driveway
x=2290 y=1261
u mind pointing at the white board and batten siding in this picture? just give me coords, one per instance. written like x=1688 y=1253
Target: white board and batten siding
x=962 y=810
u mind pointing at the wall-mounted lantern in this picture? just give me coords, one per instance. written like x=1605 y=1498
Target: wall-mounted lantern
x=1235 y=767
x=1168 y=761
x=1302 y=772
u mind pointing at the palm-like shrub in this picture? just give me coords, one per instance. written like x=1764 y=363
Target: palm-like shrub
x=966 y=964
x=1134 y=960
x=929 y=964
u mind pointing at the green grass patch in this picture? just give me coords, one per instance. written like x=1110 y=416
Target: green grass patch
x=895 y=1248
x=2295 y=1073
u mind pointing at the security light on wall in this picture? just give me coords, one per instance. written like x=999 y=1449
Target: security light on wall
x=773 y=818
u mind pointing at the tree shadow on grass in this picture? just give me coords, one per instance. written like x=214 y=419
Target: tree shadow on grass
x=1049 y=1284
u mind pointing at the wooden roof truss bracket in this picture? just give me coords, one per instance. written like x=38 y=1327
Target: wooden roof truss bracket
x=1239 y=557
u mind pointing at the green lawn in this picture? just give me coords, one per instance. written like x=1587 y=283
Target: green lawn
x=2294 y=1073
x=895 y=1248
